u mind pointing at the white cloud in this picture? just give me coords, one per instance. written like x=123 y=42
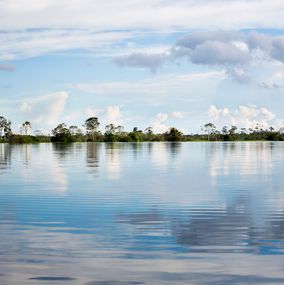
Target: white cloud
x=214 y=112
x=159 y=124
x=135 y=14
x=48 y=109
x=43 y=112
x=233 y=51
x=33 y=27
x=244 y=116
x=114 y=115
x=144 y=60
x=219 y=53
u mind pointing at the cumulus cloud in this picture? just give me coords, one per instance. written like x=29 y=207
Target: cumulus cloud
x=144 y=60
x=114 y=115
x=44 y=112
x=244 y=116
x=48 y=26
x=107 y=115
x=233 y=51
x=218 y=48
x=191 y=41
x=221 y=48
x=219 y=53
x=272 y=46
x=214 y=112
x=277 y=51
x=159 y=124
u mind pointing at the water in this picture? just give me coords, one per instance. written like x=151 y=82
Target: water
x=149 y=213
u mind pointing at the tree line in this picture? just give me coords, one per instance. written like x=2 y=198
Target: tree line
x=91 y=133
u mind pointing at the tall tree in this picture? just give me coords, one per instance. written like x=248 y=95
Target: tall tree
x=61 y=134
x=173 y=135
x=26 y=127
x=112 y=132
x=92 y=124
x=210 y=129
x=5 y=127
x=75 y=130
x=119 y=129
x=149 y=131
x=232 y=130
x=111 y=128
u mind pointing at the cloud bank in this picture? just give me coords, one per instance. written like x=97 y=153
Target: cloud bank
x=44 y=112
x=245 y=116
x=136 y=14
x=233 y=51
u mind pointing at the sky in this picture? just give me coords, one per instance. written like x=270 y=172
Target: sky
x=158 y=63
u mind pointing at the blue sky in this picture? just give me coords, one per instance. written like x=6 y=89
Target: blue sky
x=156 y=63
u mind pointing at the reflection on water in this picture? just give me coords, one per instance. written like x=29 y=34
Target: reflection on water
x=148 y=213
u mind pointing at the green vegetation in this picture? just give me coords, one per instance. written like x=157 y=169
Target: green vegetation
x=90 y=132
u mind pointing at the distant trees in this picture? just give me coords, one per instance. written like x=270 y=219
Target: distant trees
x=209 y=129
x=111 y=132
x=26 y=128
x=173 y=135
x=61 y=134
x=76 y=133
x=5 y=128
x=149 y=134
x=136 y=135
x=232 y=133
x=149 y=131
x=74 y=130
x=92 y=125
x=114 y=133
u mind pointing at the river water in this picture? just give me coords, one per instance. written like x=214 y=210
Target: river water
x=146 y=213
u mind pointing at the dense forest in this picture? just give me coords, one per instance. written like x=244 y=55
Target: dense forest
x=90 y=133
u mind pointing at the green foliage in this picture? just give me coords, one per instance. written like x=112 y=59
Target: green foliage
x=136 y=135
x=209 y=129
x=173 y=135
x=62 y=134
x=77 y=134
x=92 y=124
x=24 y=139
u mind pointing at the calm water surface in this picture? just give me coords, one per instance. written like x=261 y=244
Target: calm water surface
x=149 y=213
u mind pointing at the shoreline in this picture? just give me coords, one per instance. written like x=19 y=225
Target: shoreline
x=141 y=142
